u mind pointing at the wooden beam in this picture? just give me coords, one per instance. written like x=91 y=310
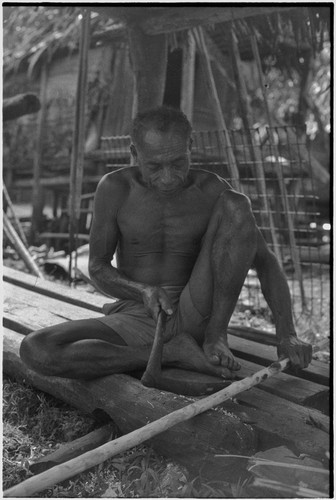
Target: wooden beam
x=19 y=105
x=154 y=21
x=60 y=180
x=38 y=193
x=188 y=77
x=149 y=62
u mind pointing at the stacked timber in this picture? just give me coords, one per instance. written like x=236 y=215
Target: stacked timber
x=280 y=412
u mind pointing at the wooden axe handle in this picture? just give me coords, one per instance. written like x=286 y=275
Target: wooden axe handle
x=153 y=370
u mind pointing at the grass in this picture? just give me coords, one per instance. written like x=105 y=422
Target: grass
x=35 y=424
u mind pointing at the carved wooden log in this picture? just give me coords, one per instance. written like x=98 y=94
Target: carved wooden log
x=19 y=105
x=71 y=450
x=194 y=442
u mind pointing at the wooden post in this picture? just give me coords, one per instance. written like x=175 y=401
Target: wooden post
x=77 y=157
x=37 y=191
x=149 y=63
x=223 y=130
x=266 y=214
x=188 y=77
x=278 y=168
x=20 y=248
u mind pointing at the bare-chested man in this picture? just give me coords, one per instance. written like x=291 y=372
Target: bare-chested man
x=185 y=242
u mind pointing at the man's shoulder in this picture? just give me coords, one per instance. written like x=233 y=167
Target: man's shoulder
x=120 y=179
x=209 y=181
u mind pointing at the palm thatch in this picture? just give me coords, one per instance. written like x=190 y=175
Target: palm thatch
x=36 y=33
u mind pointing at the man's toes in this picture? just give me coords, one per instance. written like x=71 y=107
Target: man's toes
x=214 y=359
x=227 y=374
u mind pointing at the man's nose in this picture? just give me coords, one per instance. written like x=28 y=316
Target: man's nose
x=166 y=175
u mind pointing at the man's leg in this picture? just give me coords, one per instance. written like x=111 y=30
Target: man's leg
x=227 y=253
x=87 y=349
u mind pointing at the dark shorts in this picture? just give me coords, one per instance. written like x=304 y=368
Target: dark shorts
x=131 y=322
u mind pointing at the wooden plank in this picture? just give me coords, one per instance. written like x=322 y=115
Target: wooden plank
x=77 y=297
x=317 y=371
x=63 y=236
x=294 y=389
x=132 y=405
x=35 y=311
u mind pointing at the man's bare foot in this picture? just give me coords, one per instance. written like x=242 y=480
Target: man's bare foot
x=218 y=353
x=184 y=352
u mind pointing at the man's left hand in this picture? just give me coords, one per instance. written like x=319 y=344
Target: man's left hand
x=299 y=352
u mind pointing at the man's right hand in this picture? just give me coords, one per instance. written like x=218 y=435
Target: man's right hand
x=155 y=299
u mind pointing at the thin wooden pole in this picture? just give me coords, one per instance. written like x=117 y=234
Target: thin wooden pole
x=266 y=214
x=20 y=248
x=134 y=438
x=278 y=168
x=188 y=77
x=37 y=191
x=221 y=124
x=15 y=218
x=77 y=157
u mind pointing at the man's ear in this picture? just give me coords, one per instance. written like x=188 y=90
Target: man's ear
x=134 y=152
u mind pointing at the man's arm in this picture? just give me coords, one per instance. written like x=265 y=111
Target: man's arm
x=110 y=195
x=276 y=292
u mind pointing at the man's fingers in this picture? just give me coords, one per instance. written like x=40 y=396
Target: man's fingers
x=166 y=305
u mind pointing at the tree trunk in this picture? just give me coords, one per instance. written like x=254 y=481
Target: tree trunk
x=149 y=62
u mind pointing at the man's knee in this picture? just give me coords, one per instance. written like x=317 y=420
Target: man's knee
x=38 y=354
x=236 y=208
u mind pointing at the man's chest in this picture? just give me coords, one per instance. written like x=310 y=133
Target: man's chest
x=153 y=221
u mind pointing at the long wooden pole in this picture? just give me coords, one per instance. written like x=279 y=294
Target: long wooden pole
x=77 y=157
x=20 y=248
x=221 y=124
x=37 y=191
x=15 y=217
x=188 y=77
x=266 y=213
x=120 y=445
x=278 y=168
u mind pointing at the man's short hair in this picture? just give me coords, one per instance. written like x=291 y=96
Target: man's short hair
x=162 y=118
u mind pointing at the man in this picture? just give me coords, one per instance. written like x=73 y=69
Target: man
x=185 y=242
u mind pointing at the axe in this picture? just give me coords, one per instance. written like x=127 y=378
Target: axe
x=152 y=374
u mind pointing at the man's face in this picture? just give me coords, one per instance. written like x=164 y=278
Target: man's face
x=164 y=160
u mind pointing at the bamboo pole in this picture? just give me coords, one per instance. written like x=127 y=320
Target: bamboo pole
x=15 y=218
x=77 y=157
x=37 y=191
x=292 y=243
x=120 y=445
x=20 y=248
x=224 y=136
x=266 y=214
x=188 y=77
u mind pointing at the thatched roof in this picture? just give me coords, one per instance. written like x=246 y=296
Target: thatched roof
x=282 y=31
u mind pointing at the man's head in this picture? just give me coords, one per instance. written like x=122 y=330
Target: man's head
x=161 y=144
